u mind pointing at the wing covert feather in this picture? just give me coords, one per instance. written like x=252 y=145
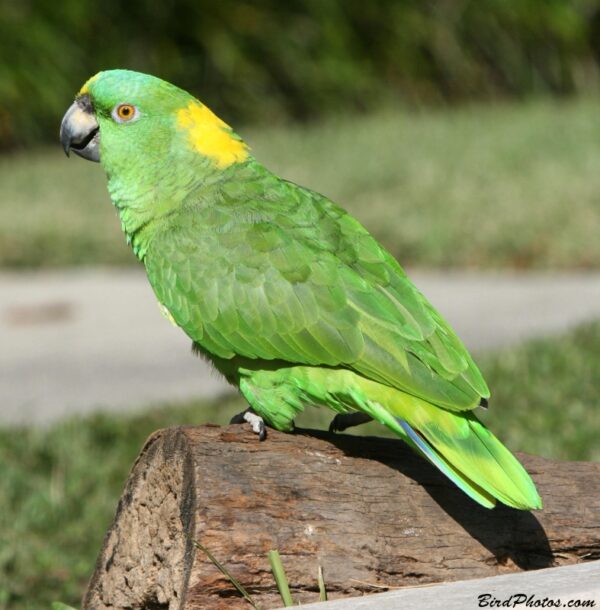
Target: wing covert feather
x=295 y=278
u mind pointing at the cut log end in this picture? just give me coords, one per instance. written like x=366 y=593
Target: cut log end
x=367 y=510
x=148 y=550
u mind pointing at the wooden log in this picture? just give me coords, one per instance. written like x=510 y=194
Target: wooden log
x=368 y=510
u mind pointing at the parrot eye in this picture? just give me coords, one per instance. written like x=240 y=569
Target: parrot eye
x=123 y=113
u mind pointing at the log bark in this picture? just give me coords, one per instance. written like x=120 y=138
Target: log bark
x=368 y=510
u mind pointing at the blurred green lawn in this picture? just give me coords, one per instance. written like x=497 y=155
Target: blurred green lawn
x=59 y=487
x=482 y=186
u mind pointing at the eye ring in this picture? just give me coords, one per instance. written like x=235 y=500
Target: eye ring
x=125 y=113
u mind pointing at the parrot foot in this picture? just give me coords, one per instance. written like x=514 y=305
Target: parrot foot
x=342 y=421
x=256 y=422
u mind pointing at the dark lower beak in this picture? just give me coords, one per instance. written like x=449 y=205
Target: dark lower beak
x=79 y=131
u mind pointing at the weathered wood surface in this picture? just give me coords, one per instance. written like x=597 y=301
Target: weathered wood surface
x=554 y=587
x=368 y=510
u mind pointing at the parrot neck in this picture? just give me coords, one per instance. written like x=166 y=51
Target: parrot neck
x=146 y=195
x=176 y=157
x=137 y=212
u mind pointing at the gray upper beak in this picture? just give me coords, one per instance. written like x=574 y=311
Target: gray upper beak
x=79 y=130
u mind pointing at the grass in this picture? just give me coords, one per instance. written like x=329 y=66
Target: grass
x=482 y=186
x=223 y=569
x=59 y=486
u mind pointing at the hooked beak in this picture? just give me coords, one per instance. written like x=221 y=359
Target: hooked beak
x=79 y=130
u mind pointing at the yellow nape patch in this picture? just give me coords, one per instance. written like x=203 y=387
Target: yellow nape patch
x=211 y=136
x=86 y=87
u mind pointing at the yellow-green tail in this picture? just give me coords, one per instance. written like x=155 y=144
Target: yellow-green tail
x=459 y=445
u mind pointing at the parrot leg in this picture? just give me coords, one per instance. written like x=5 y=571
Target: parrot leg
x=256 y=422
x=343 y=421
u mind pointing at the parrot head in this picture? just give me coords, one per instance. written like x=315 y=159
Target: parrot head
x=156 y=143
x=124 y=118
x=120 y=109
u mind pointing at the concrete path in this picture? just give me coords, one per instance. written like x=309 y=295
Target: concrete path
x=78 y=341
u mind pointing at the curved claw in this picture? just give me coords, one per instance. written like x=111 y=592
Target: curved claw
x=262 y=432
x=334 y=426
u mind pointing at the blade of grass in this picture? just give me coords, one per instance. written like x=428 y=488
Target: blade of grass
x=60 y=606
x=322 y=589
x=280 y=578
x=228 y=574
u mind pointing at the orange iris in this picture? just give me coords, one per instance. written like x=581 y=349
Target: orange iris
x=125 y=112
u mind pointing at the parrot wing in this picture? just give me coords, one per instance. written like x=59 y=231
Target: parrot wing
x=292 y=277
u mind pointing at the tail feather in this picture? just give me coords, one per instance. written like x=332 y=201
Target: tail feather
x=469 y=487
x=459 y=445
x=477 y=453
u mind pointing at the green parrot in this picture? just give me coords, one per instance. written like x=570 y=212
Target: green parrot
x=285 y=293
